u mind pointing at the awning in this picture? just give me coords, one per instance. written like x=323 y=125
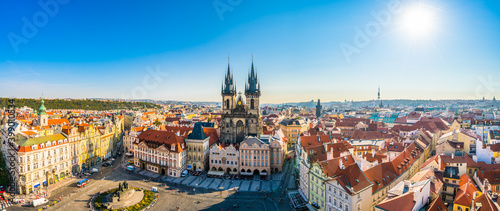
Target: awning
x=189 y=167
x=128 y=154
x=36 y=185
x=233 y=172
x=218 y=173
x=44 y=182
x=263 y=173
x=246 y=173
x=199 y=169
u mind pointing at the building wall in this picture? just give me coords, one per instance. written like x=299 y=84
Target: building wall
x=255 y=158
x=198 y=153
x=224 y=159
x=317 y=187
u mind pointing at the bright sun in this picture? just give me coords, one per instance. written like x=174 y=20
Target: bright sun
x=418 y=21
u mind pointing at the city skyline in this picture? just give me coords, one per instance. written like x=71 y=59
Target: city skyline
x=300 y=50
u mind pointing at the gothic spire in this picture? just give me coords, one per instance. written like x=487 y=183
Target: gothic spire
x=253 y=86
x=228 y=86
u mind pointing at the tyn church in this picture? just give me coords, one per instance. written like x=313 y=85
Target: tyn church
x=240 y=116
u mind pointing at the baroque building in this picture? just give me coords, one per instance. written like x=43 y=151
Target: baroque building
x=240 y=116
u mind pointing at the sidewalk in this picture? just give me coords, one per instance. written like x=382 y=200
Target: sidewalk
x=62 y=183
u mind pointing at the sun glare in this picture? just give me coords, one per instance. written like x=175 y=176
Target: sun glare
x=418 y=21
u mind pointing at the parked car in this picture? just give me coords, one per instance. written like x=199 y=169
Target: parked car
x=106 y=164
x=184 y=173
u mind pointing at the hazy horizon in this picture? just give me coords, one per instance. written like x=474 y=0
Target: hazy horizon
x=302 y=51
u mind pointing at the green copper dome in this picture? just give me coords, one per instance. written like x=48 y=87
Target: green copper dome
x=42 y=109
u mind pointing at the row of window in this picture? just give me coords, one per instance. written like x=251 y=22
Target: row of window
x=254 y=164
x=227 y=162
x=255 y=157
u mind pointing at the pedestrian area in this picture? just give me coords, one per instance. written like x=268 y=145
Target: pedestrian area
x=202 y=181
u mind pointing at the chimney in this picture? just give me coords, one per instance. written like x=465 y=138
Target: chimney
x=406 y=186
x=341 y=165
x=486 y=186
x=373 y=152
x=474 y=195
x=452 y=155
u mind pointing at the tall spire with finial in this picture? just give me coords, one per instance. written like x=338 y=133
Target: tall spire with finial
x=253 y=82
x=228 y=86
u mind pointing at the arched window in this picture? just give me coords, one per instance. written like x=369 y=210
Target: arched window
x=252 y=102
x=227 y=103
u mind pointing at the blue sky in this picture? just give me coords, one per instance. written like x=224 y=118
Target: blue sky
x=109 y=49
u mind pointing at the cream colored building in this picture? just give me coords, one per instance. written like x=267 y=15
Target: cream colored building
x=224 y=158
x=254 y=157
x=41 y=161
x=160 y=152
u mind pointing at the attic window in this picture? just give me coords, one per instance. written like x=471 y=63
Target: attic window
x=383 y=179
x=357 y=180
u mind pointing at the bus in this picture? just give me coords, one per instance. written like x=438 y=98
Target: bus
x=82 y=182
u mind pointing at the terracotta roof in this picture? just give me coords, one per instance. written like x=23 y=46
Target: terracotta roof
x=332 y=167
x=352 y=179
x=316 y=153
x=401 y=120
x=158 y=138
x=336 y=148
x=368 y=135
x=430 y=160
x=380 y=176
x=57 y=122
x=465 y=191
x=403 y=202
x=406 y=128
x=307 y=141
x=493 y=175
x=486 y=202
x=395 y=146
x=437 y=205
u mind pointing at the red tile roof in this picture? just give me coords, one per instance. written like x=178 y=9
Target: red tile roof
x=307 y=141
x=437 y=205
x=157 y=138
x=465 y=191
x=352 y=179
x=486 y=202
x=403 y=202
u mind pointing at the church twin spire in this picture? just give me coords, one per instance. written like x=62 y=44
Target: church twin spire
x=252 y=85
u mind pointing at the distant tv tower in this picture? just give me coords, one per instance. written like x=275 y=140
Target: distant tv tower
x=380 y=101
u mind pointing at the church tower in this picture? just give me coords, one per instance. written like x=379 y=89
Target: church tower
x=252 y=92
x=252 y=95
x=43 y=119
x=240 y=114
x=228 y=92
x=318 y=109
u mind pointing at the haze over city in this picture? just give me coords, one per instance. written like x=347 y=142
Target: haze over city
x=301 y=50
